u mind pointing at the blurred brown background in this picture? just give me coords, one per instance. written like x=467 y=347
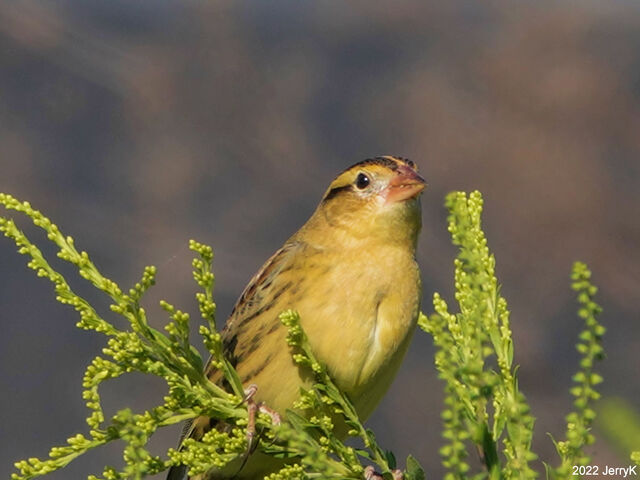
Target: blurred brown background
x=138 y=125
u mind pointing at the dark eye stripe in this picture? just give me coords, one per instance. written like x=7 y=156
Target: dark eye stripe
x=336 y=191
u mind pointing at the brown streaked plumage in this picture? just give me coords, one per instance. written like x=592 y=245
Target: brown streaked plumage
x=350 y=272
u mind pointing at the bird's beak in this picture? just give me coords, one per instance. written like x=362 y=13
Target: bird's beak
x=404 y=185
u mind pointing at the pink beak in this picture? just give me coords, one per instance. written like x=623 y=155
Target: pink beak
x=406 y=184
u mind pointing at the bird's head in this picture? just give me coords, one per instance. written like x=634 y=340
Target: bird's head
x=375 y=199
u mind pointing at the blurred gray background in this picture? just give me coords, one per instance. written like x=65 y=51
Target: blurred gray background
x=138 y=125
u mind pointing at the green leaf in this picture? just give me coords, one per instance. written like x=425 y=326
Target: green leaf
x=391 y=459
x=414 y=470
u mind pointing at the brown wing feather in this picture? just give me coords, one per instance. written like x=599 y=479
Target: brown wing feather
x=258 y=297
x=263 y=285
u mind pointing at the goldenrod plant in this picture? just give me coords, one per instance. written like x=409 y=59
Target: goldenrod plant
x=474 y=357
x=579 y=421
x=485 y=411
x=309 y=441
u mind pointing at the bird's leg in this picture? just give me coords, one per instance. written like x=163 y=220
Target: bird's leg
x=252 y=409
x=371 y=474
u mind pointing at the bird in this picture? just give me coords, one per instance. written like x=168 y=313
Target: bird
x=351 y=273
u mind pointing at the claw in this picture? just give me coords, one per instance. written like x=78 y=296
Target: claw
x=250 y=391
x=371 y=474
x=397 y=474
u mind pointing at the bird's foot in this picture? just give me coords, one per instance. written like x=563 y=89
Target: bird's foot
x=275 y=416
x=371 y=474
x=253 y=408
x=250 y=391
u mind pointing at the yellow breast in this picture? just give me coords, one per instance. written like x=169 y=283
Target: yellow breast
x=360 y=319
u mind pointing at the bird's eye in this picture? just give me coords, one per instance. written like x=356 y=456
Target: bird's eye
x=362 y=181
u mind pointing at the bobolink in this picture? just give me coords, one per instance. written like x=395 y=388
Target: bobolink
x=350 y=272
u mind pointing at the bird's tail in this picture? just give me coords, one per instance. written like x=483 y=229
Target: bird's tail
x=177 y=473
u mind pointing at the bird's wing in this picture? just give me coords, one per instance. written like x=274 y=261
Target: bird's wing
x=261 y=295
x=257 y=298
